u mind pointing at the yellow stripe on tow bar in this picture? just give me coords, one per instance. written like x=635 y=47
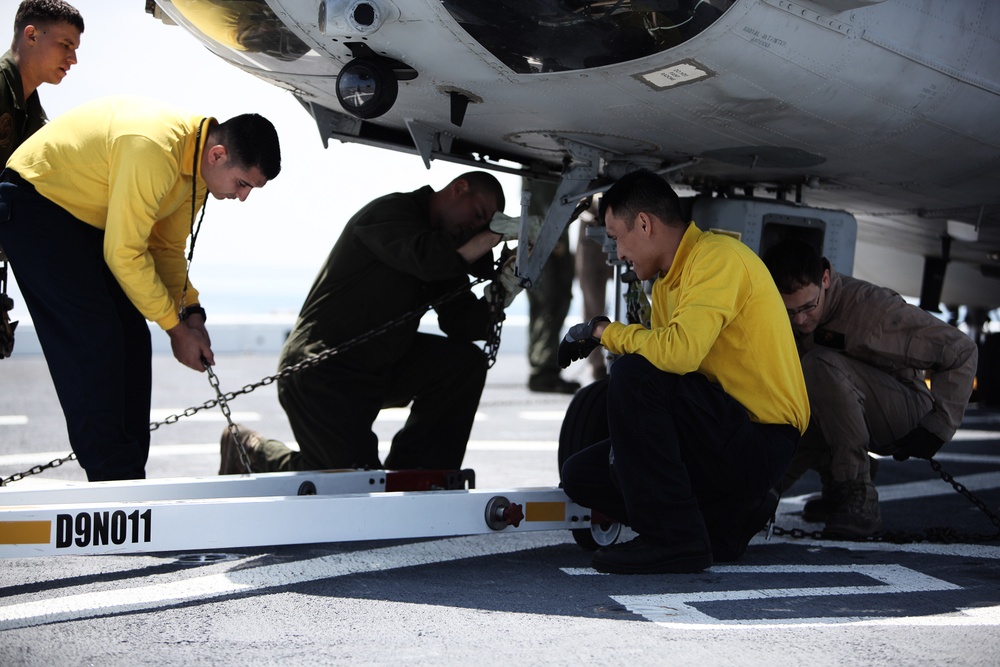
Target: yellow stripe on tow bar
x=25 y=532
x=549 y=511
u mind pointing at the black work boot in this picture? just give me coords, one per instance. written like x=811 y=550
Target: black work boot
x=232 y=451
x=646 y=556
x=857 y=515
x=819 y=507
x=731 y=534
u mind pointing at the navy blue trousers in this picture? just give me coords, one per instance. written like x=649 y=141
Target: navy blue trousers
x=96 y=344
x=684 y=461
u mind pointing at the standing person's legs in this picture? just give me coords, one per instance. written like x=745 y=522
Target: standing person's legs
x=137 y=377
x=593 y=273
x=548 y=304
x=548 y=300
x=444 y=379
x=96 y=343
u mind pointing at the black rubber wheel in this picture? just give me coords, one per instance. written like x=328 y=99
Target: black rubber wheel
x=586 y=421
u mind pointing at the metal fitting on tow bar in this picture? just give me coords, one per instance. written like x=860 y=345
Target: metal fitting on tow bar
x=501 y=513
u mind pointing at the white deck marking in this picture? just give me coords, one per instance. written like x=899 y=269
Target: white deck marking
x=13 y=420
x=938 y=487
x=201 y=449
x=677 y=610
x=15 y=614
x=923 y=489
x=582 y=571
x=392 y=415
x=957 y=550
x=968 y=458
x=969 y=435
x=542 y=415
x=385 y=416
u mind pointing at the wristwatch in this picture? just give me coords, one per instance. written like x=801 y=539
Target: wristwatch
x=192 y=310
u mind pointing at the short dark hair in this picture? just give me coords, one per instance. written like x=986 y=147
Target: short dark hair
x=486 y=183
x=44 y=13
x=642 y=191
x=251 y=141
x=794 y=264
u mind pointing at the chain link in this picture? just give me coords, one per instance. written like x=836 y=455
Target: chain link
x=497 y=315
x=54 y=463
x=492 y=345
x=937 y=535
x=234 y=431
x=316 y=359
x=222 y=399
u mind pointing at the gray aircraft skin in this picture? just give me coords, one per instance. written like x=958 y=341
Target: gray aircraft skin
x=888 y=109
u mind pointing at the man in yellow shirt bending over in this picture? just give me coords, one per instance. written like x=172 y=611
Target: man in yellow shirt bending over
x=705 y=407
x=95 y=212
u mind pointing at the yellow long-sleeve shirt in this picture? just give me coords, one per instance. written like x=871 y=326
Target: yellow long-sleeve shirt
x=718 y=312
x=126 y=165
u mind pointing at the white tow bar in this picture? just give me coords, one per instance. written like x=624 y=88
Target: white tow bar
x=143 y=516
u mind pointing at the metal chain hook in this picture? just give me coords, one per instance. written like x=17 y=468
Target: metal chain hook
x=234 y=431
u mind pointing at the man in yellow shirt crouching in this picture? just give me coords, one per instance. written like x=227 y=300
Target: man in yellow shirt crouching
x=705 y=406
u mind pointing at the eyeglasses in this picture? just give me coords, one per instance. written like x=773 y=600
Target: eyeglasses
x=807 y=308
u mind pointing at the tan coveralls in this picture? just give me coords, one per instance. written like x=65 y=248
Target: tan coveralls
x=864 y=368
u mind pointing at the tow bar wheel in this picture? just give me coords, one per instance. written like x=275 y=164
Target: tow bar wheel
x=599 y=535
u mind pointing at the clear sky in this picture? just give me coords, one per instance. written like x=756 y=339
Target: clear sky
x=261 y=255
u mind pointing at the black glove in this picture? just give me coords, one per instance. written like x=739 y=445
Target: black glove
x=919 y=443
x=579 y=341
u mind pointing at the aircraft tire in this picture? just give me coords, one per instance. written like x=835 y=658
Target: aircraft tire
x=585 y=423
